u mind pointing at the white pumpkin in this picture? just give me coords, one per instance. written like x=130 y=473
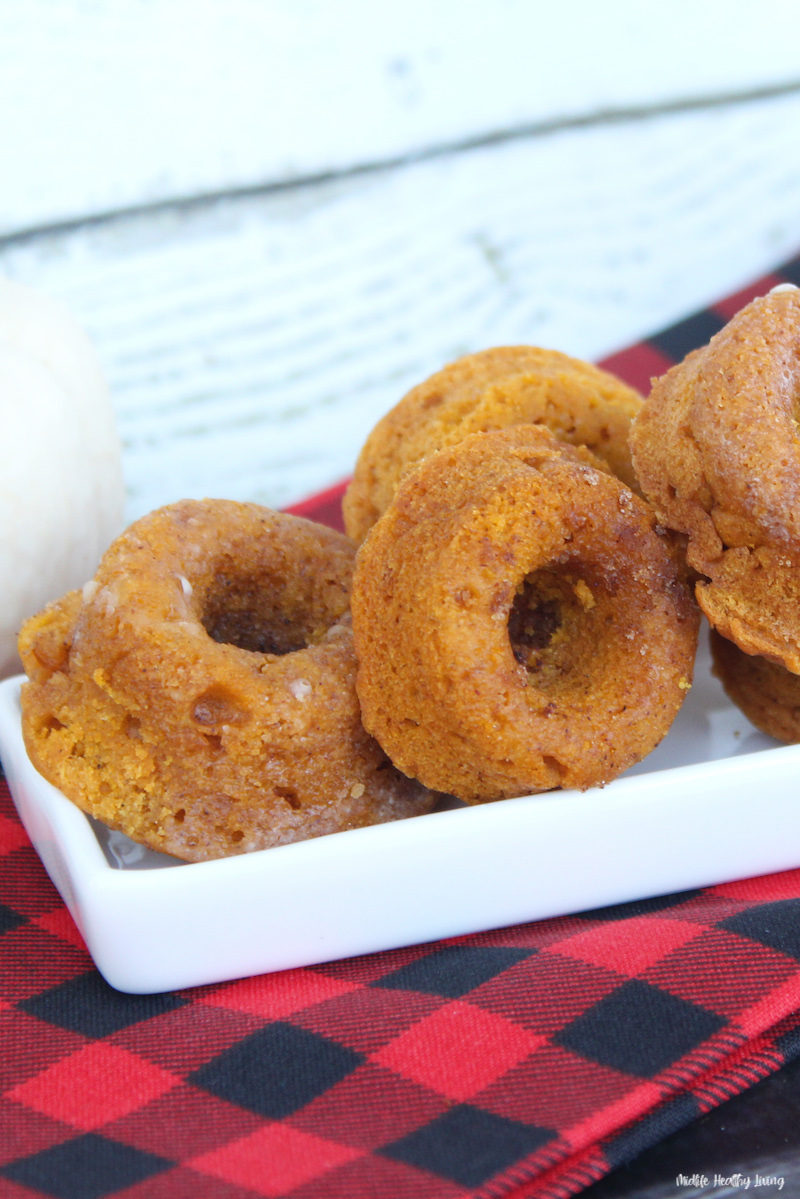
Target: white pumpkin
x=61 y=489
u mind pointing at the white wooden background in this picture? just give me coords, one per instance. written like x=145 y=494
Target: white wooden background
x=274 y=216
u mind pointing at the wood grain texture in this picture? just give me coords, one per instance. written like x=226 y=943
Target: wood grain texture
x=113 y=103
x=251 y=343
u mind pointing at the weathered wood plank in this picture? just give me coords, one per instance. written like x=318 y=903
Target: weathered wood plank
x=251 y=344
x=125 y=102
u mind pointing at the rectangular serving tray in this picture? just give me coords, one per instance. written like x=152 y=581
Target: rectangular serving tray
x=716 y=801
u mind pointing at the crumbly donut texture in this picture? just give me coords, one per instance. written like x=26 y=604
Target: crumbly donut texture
x=717 y=453
x=519 y=622
x=199 y=693
x=493 y=389
x=767 y=693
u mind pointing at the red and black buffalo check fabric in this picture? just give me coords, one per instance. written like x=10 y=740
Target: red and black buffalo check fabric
x=518 y=1063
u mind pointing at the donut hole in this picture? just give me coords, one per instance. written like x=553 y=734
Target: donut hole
x=250 y=630
x=254 y=615
x=551 y=624
x=533 y=622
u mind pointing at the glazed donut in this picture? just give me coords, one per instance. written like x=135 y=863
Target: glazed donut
x=199 y=693
x=717 y=453
x=519 y=622
x=767 y=693
x=493 y=389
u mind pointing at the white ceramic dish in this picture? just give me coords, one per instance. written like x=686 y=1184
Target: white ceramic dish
x=715 y=801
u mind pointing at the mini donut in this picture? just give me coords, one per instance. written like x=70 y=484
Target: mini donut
x=767 y=693
x=199 y=693
x=717 y=452
x=493 y=389
x=520 y=623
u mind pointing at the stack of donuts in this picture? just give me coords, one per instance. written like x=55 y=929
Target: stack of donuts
x=521 y=623
x=717 y=452
x=514 y=607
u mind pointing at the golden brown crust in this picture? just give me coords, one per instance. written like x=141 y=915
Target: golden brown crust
x=199 y=694
x=717 y=453
x=767 y=693
x=493 y=389
x=519 y=623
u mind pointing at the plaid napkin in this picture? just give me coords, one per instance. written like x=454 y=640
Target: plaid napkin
x=505 y=1065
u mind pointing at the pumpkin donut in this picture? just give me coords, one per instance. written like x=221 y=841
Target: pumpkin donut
x=767 y=693
x=717 y=452
x=520 y=624
x=493 y=389
x=199 y=693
